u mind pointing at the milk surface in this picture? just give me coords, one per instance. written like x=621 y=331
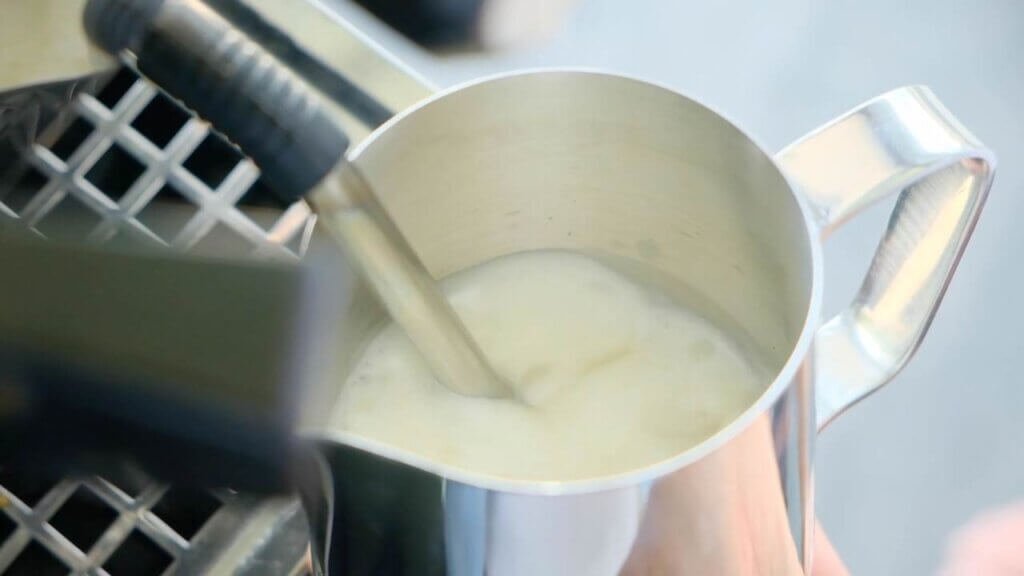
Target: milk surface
x=610 y=375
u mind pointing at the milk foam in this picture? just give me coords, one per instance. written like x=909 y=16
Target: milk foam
x=610 y=375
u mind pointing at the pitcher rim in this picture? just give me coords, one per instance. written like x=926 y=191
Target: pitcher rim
x=782 y=380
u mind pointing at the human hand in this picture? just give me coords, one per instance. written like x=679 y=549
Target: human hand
x=990 y=544
x=725 y=515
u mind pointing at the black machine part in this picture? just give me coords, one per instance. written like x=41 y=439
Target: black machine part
x=197 y=56
x=191 y=367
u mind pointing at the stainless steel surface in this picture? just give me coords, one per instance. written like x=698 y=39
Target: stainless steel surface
x=614 y=166
x=41 y=42
x=346 y=50
x=254 y=538
x=350 y=212
x=903 y=142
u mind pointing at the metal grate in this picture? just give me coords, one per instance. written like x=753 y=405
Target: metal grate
x=129 y=164
x=92 y=527
x=94 y=192
x=131 y=515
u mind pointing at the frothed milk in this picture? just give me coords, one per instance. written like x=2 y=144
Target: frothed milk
x=610 y=374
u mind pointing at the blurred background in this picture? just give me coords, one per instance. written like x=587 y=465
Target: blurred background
x=899 y=473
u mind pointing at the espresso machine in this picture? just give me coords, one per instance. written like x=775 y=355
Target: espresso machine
x=172 y=374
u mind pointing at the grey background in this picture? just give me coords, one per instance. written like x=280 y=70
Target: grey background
x=898 y=474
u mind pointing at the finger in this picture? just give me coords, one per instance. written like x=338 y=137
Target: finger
x=826 y=559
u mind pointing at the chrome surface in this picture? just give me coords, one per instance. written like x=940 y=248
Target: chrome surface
x=316 y=28
x=905 y=142
x=349 y=211
x=620 y=168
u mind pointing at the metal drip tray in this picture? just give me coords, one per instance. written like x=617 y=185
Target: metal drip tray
x=94 y=526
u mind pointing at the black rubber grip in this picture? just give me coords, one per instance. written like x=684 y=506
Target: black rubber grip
x=197 y=56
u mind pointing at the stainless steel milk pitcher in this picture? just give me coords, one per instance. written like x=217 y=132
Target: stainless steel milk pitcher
x=615 y=166
x=526 y=158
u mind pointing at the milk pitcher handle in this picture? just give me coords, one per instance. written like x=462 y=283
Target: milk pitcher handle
x=903 y=141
